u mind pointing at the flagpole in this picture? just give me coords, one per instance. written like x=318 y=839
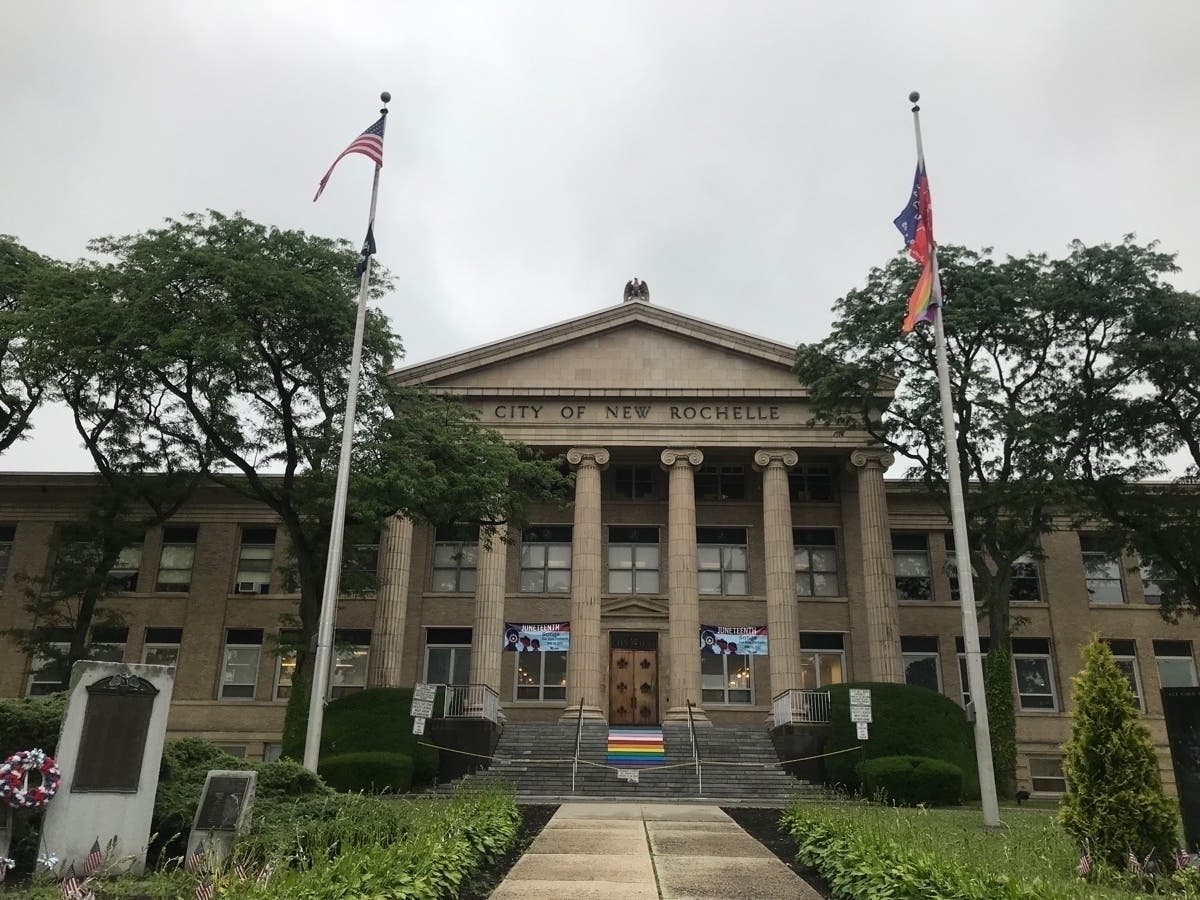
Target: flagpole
x=962 y=549
x=333 y=565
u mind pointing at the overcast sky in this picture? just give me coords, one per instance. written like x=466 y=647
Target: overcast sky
x=745 y=159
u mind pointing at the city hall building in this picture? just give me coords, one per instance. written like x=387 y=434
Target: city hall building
x=720 y=552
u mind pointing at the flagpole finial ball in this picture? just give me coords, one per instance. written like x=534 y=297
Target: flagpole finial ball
x=386 y=97
x=914 y=96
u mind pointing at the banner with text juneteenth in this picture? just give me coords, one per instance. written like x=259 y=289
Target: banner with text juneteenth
x=534 y=638
x=747 y=640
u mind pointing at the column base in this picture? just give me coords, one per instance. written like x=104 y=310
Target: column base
x=680 y=714
x=570 y=715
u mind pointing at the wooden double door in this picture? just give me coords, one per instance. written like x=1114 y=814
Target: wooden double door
x=633 y=678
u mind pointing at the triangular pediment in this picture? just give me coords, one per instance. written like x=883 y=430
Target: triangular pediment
x=634 y=346
x=649 y=607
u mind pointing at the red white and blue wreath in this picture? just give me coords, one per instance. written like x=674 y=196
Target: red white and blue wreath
x=14 y=779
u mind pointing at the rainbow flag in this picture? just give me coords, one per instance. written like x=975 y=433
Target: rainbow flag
x=636 y=748
x=915 y=223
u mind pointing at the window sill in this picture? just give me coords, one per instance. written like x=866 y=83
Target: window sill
x=1039 y=713
x=451 y=595
x=822 y=599
x=536 y=595
x=1138 y=606
x=534 y=704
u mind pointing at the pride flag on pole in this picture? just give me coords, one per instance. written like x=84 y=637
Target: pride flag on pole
x=915 y=222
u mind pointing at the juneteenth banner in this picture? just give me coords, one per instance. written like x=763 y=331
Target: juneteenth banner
x=749 y=640
x=533 y=638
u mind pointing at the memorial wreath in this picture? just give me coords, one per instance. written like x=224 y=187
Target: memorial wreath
x=14 y=779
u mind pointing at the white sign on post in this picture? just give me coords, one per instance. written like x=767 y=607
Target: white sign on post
x=418 y=725
x=630 y=775
x=422 y=703
x=862 y=730
x=860 y=705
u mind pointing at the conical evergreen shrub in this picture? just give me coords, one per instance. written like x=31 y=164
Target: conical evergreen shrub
x=1114 y=802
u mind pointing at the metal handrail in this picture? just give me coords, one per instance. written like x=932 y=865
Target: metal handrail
x=695 y=752
x=578 y=740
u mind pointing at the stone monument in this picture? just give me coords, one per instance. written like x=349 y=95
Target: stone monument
x=109 y=753
x=223 y=813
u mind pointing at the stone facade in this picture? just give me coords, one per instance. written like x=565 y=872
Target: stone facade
x=702 y=496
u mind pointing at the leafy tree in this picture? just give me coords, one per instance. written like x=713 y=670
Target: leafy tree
x=21 y=389
x=247 y=331
x=1031 y=344
x=1114 y=802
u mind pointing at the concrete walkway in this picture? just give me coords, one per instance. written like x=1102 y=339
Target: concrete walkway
x=647 y=851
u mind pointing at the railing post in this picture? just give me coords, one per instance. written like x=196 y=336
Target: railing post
x=578 y=737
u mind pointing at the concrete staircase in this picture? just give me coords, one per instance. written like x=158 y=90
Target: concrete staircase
x=755 y=779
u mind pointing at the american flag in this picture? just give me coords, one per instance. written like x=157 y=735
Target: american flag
x=1085 y=864
x=1182 y=859
x=68 y=888
x=369 y=144
x=205 y=890
x=92 y=861
x=197 y=860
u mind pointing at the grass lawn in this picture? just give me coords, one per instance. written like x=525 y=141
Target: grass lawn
x=1030 y=847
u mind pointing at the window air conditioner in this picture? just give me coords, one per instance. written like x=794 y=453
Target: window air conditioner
x=253 y=587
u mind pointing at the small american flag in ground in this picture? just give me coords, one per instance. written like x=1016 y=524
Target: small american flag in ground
x=369 y=144
x=92 y=861
x=1085 y=864
x=196 y=860
x=1182 y=858
x=68 y=888
x=205 y=891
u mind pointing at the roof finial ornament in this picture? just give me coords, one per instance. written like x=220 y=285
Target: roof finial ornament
x=635 y=289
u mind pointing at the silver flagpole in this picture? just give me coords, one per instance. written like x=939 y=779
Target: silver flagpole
x=333 y=564
x=962 y=549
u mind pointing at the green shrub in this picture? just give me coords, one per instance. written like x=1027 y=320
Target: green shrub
x=32 y=723
x=287 y=779
x=185 y=764
x=913 y=780
x=372 y=772
x=1114 y=802
x=907 y=721
x=378 y=719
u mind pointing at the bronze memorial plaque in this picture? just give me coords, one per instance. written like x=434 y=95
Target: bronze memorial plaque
x=115 y=724
x=222 y=802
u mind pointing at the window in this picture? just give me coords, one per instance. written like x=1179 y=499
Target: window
x=448 y=655
x=910 y=556
x=1046 y=775
x=108 y=644
x=541 y=675
x=255 y=560
x=815 y=552
x=811 y=484
x=1125 y=653
x=726 y=678
x=1035 y=674
x=723 y=562
x=360 y=568
x=963 y=681
x=1176 y=668
x=73 y=560
x=822 y=659
x=352 y=652
x=285 y=667
x=238 y=750
x=920 y=656
x=1101 y=569
x=1152 y=587
x=455 y=555
x=546 y=559
x=7 y=534
x=48 y=673
x=634 y=482
x=272 y=751
x=1025 y=585
x=721 y=483
x=176 y=560
x=239 y=674
x=633 y=560
x=161 y=647
x=123 y=576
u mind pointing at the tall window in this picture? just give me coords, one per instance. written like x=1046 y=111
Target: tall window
x=910 y=556
x=721 y=483
x=546 y=559
x=161 y=646
x=123 y=576
x=541 y=675
x=963 y=681
x=455 y=555
x=1035 y=674
x=634 y=482
x=1176 y=667
x=239 y=672
x=633 y=560
x=1101 y=569
x=1046 y=775
x=726 y=678
x=1153 y=585
x=360 y=567
x=108 y=644
x=724 y=567
x=815 y=553
x=177 y=558
x=8 y=534
x=73 y=559
x=1025 y=585
x=352 y=652
x=822 y=659
x=921 y=667
x=811 y=484
x=1125 y=653
x=48 y=672
x=448 y=655
x=256 y=558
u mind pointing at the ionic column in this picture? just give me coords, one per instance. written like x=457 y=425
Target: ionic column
x=879 y=580
x=783 y=627
x=391 y=603
x=583 y=659
x=487 y=629
x=683 y=596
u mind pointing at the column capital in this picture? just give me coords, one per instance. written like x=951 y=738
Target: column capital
x=690 y=457
x=871 y=456
x=773 y=456
x=597 y=456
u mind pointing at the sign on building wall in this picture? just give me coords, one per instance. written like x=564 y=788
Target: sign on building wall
x=533 y=638
x=749 y=640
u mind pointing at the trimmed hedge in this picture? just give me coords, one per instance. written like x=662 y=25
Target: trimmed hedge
x=908 y=721
x=913 y=780
x=31 y=723
x=378 y=720
x=371 y=772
